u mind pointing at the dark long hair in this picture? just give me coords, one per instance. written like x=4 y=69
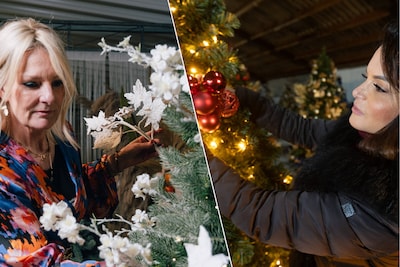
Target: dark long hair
x=386 y=142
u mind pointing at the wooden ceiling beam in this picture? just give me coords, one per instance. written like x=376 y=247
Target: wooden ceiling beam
x=370 y=39
x=334 y=30
x=304 y=69
x=248 y=7
x=296 y=18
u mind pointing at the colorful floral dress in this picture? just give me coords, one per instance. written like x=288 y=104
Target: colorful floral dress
x=23 y=191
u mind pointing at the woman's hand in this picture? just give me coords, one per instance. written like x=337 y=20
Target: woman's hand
x=137 y=151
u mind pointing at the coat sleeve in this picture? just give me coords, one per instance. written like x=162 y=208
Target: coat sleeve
x=324 y=224
x=281 y=122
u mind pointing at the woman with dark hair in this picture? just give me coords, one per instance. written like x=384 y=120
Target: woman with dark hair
x=343 y=207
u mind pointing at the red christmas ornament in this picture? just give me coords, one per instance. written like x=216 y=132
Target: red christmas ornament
x=209 y=123
x=229 y=103
x=193 y=84
x=215 y=81
x=204 y=102
x=167 y=185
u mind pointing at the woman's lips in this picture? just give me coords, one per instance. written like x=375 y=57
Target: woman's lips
x=356 y=111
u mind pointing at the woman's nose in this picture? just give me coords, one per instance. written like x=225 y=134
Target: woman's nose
x=47 y=94
x=360 y=91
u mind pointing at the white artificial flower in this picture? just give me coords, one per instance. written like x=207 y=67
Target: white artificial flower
x=52 y=213
x=138 y=95
x=153 y=112
x=145 y=185
x=103 y=45
x=146 y=254
x=59 y=217
x=184 y=84
x=197 y=138
x=125 y=43
x=96 y=123
x=141 y=220
x=118 y=251
x=166 y=53
x=68 y=229
x=159 y=65
x=48 y=219
x=201 y=255
x=166 y=85
x=124 y=112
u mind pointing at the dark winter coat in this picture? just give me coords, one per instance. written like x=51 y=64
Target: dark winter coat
x=343 y=208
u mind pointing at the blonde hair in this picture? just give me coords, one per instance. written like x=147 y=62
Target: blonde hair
x=19 y=37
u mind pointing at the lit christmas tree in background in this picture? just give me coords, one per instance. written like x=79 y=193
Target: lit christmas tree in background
x=322 y=97
x=214 y=69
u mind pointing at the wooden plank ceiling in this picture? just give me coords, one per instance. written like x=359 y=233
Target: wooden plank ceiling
x=280 y=38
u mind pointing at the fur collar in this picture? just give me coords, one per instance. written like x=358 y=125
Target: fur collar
x=339 y=166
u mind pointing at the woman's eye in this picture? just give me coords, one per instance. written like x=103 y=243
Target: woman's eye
x=31 y=84
x=379 y=88
x=57 y=83
x=364 y=76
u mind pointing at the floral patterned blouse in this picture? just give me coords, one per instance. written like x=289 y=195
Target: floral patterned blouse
x=23 y=191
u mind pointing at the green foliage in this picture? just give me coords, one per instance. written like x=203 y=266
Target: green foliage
x=204 y=20
x=180 y=214
x=258 y=162
x=198 y=22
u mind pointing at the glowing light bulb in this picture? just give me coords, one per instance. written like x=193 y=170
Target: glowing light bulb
x=215 y=39
x=242 y=145
x=206 y=43
x=288 y=179
x=213 y=144
x=193 y=70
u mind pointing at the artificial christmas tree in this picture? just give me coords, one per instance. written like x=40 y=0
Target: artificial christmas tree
x=321 y=97
x=227 y=131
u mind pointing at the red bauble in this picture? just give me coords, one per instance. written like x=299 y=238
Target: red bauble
x=229 y=103
x=193 y=84
x=204 y=102
x=215 y=81
x=168 y=187
x=209 y=123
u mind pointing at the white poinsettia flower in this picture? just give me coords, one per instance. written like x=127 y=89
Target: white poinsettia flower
x=201 y=255
x=96 y=123
x=125 y=43
x=138 y=95
x=153 y=112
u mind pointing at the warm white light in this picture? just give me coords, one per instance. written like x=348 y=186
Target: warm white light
x=213 y=144
x=193 y=70
x=242 y=145
x=206 y=43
